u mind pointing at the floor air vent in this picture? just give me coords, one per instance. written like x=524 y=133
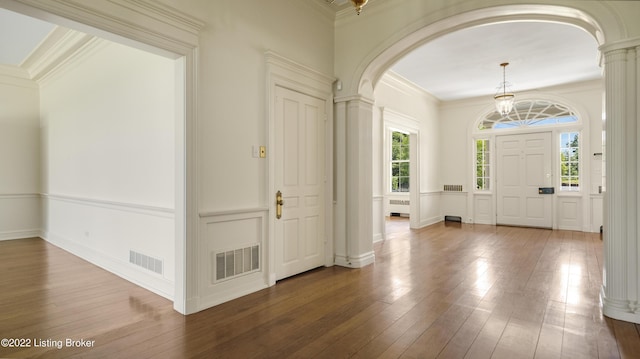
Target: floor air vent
x=233 y=263
x=146 y=262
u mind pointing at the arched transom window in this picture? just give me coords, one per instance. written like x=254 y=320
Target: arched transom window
x=529 y=113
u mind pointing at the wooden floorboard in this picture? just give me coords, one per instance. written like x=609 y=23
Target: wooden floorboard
x=445 y=291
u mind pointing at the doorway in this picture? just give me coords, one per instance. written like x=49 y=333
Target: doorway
x=182 y=52
x=400 y=169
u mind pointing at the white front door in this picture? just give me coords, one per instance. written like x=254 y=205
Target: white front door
x=299 y=176
x=524 y=165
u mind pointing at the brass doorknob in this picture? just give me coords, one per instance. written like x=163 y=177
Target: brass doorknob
x=279 y=204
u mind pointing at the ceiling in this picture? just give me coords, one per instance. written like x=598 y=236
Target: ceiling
x=19 y=36
x=466 y=63
x=459 y=65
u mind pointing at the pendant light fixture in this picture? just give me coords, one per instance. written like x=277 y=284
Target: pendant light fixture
x=358 y=4
x=504 y=99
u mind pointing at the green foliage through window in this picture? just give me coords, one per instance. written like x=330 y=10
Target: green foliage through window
x=569 y=161
x=399 y=162
x=482 y=165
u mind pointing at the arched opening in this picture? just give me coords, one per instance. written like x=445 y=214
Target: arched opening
x=369 y=76
x=432 y=204
x=620 y=114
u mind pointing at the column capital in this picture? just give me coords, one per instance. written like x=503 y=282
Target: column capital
x=351 y=98
x=620 y=45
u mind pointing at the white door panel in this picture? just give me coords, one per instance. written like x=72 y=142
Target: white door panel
x=524 y=165
x=299 y=175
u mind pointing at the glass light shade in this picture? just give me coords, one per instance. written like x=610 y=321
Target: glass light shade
x=504 y=102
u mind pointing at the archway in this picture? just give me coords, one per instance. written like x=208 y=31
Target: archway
x=598 y=19
x=619 y=292
x=371 y=74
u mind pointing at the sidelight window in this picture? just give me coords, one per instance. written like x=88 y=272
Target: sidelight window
x=569 y=161
x=483 y=169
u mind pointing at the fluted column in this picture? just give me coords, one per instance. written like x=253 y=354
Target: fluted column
x=621 y=253
x=354 y=188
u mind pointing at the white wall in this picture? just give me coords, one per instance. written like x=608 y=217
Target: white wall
x=232 y=108
x=416 y=111
x=108 y=127
x=19 y=157
x=458 y=118
x=232 y=119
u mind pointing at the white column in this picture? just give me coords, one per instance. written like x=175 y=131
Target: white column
x=620 y=285
x=377 y=174
x=354 y=188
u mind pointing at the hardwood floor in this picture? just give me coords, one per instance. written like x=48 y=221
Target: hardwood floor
x=446 y=291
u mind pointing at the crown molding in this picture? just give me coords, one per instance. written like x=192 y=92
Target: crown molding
x=153 y=26
x=16 y=76
x=299 y=69
x=325 y=8
x=57 y=48
x=164 y=13
x=398 y=82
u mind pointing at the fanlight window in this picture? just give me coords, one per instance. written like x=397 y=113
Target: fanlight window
x=529 y=113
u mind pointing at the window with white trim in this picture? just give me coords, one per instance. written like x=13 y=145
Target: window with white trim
x=483 y=165
x=399 y=162
x=529 y=113
x=569 y=161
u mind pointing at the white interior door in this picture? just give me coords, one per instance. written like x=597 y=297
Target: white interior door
x=299 y=175
x=524 y=165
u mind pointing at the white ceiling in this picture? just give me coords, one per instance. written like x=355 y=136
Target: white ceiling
x=459 y=65
x=19 y=36
x=466 y=63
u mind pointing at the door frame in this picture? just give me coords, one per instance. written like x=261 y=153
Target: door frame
x=397 y=121
x=582 y=126
x=282 y=72
x=155 y=34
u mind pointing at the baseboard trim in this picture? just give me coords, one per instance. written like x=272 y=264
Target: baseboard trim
x=19 y=234
x=378 y=238
x=360 y=261
x=430 y=221
x=225 y=296
x=149 y=281
x=626 y=310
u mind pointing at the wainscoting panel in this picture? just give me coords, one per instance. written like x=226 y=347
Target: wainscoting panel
x=378 y=218
x=454 y=203
x=483 y=209
x=399 y=204
x=569 y=213
x=232 y=252
x=430 y=208
x=20 y=216
x=135 y=242
x=597 y=208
